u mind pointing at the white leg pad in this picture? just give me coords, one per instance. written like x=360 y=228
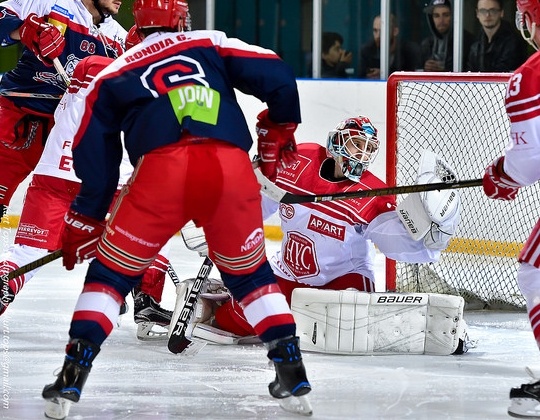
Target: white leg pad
x=351 y=322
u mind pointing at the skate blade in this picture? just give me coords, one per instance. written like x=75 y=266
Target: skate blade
x=57 y=408
x=524 y=408
x=150 y=331
x=298 y=405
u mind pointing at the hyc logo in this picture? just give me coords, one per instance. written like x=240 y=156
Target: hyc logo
x=299 y=255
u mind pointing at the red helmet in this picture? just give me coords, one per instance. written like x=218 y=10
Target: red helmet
x=354 y=145
x=161 y=14
x=528 y=19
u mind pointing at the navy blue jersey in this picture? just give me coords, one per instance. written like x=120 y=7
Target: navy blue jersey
x=170 y=84
x=83 y=39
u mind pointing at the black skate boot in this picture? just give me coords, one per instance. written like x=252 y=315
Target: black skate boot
x=71 y=379
x=146 y=309
x=147 y=314
x=291 y=379
x=525 y=401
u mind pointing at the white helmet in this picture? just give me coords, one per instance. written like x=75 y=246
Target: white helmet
x=354 y=145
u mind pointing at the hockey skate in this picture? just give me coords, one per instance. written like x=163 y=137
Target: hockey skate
x=525 y=400
x=151 y=319
x=71 y=379
x=291 y=385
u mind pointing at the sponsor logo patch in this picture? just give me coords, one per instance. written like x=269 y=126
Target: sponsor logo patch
x=324 y=227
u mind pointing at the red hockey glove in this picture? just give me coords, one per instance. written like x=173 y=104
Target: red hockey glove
x=79 y=239
x=275 y=145
x=133 y=37
x=42 y=38
x=497 y=184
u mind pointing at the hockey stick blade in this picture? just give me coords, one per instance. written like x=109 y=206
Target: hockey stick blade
x=279 y=194
x=178 y=342
x=34 y=264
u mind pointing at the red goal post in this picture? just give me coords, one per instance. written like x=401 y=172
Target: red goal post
x=461 y=117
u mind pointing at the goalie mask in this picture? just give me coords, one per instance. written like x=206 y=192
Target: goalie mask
x=528 y=19
x=354 y=145
x=162 y=14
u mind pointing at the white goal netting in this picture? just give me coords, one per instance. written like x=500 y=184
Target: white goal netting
x=462 y=118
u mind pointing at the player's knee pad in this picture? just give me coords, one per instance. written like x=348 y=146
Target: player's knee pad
x=97 y=272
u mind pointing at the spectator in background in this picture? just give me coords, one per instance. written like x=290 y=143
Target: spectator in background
x=437 y=50
x=498 y=47
x=335 y=60
x=403 y=55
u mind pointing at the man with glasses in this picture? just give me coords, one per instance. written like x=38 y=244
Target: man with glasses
x=498 y=48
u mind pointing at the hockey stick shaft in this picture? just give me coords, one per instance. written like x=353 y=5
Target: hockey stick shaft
x=34 y=264
x=178 y=342
x=60 y=69
x=30 y=95
x=278 y=194
x=172 y=274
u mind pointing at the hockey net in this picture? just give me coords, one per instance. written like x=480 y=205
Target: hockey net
x=462 y=118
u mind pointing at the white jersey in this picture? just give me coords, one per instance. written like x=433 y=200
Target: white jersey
x=522 y=161
x=57 y=158
x=323 y=241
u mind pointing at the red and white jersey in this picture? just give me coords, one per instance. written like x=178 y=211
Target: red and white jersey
x=323 y=241
x=522 y=161
x=57 y=157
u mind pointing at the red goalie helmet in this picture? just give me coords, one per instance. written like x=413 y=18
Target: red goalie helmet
x=354 y=145
x=161 y=14
x=528 y=19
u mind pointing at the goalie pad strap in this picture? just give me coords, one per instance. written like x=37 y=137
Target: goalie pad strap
x=359 y=323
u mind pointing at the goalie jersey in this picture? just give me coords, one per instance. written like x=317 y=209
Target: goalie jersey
x=326 y=240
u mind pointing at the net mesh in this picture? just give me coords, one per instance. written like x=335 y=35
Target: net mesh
x=465 y=123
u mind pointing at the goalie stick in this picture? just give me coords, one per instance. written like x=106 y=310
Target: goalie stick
x=279 y=194
x=178 y=342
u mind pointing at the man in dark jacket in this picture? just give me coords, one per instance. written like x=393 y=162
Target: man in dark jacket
x=498 y=47
x=404 y=55
x=437 y=50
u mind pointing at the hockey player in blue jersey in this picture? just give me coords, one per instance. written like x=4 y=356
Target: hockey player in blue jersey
x=67 y=30
x=173 y=98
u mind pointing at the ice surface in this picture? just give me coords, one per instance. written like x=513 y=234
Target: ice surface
x=136 y=380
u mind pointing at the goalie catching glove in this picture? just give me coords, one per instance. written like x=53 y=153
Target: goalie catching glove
x=432 y=215
x=42 y=38
x=79 y=239
x=497 y=184
x=276 y=145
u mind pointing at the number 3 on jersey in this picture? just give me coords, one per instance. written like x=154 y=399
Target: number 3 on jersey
x=514 y=85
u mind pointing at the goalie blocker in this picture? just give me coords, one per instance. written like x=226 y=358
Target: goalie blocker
x=359 y=323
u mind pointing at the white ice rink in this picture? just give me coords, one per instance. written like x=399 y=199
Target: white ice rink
x=141 y=380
